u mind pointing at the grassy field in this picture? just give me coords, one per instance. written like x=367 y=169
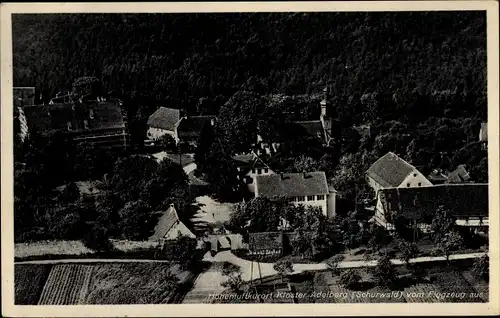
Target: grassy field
x=72 y=284
x=28 y=283
x=76 y=249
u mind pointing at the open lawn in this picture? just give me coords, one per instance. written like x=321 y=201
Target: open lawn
x=110 y=283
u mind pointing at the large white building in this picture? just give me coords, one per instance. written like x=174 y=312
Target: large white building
x=308 y=188
x=390 y=171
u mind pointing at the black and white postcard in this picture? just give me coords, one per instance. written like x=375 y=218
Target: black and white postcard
x=228 y=159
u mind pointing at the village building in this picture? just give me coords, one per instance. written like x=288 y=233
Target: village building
x=170 y=227
x=468 y=203
x=390 y=171
x=459 y=175
x=483 y=135
x=182 y=128
x=162 y=122
x=189 y=129
x=24 y=96
x=101 y=123
x=303 y=131
x=224 y=242
x=308 y=188
x=249 y=166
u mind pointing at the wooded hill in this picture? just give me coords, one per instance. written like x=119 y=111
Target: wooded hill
x=433 y=59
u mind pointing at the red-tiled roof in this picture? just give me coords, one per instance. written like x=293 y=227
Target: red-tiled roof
x=164 y=118
x=390 y=170
x=291 y=184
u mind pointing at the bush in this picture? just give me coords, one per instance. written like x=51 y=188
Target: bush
x=97 y=239
x=385 y=271
x=350 y=278
x=229 y=268
x=481 y=267
x=333 y=263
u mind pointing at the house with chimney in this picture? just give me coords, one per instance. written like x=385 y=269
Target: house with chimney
x=467 y=202
x=308 y=188
x=249 y=166
x=302 y=131
x=391 y=171
x=97 y=122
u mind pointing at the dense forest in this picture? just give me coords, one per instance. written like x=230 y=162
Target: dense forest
x=183 y=60
x=418 y=79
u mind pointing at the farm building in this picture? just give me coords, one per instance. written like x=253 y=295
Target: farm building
x=170 y=227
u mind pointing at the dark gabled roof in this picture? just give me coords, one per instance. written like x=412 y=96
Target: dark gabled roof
x=390 y=170
x=461 y=199
x=304 y=130
x=24 y=96
x=192 y=126
x=363 y=130
x=165 y=223
x=164 y=118
x=265 y=240
x=54 y=117
x=483 y=132
x=291 y=184
x=249 y=161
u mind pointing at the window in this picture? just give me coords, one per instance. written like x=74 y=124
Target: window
x=414 y=174
x=310 y=198
x=253 y=171
x=259 y=171
x=301 y=199
x=249 y=180
x=266 y=170
x=408 y=185
x=420 y=184
x=321 y=197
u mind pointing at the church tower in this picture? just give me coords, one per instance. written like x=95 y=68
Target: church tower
x=324 y=102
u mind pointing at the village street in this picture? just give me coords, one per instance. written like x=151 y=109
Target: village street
x=209 y=282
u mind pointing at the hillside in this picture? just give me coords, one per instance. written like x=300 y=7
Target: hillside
x=176 y=59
